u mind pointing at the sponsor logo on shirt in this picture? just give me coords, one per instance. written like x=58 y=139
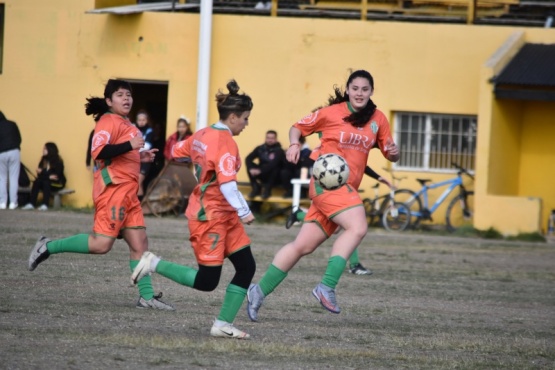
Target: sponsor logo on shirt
x=227 y=164
x=100 y=138
x=374 y=127
x=309 y=119
x=200 y=147
x=355 y=141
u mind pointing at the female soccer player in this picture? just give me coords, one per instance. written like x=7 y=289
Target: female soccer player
x=215 y=212
x=350 y=126
x=355 y=267
x=116 y=150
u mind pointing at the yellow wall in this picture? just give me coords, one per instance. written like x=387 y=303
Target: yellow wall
x=56 y=55
x=537 y=162
x=508 y=215
x=505 y=147
x=515 y=167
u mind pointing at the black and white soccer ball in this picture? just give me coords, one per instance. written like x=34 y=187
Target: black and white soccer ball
x=330 y=171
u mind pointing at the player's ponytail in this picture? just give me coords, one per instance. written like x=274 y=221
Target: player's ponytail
x=97 y=106
x=233 y=102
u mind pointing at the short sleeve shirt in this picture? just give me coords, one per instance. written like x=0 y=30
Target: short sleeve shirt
x=340 y=137
x=216 y=161
x=115 y=129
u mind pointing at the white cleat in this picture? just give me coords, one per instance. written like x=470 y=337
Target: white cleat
x=154 y=303
x=39 y=253
x=228 y=331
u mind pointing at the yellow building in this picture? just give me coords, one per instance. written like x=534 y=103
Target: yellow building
x=55 y=54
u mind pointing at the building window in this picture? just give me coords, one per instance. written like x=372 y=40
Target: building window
x=1 y=36
x=431 y=142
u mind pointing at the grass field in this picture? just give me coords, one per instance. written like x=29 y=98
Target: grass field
x=434 y=302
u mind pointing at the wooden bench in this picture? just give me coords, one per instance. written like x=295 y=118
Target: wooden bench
x=57 y=195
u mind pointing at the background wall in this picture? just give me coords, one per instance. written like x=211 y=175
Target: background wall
x=56 y=55
x=537 y=162
x=505 y=147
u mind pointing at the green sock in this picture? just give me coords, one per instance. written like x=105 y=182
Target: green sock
x=353 y=260
x=234 y=297
x=183 y=275
x=336 y=265
x=145 y=284
x=271 y=279
x=74 y=244
x=300 y=216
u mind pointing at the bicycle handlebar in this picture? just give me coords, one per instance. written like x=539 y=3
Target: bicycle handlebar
x=462 y=170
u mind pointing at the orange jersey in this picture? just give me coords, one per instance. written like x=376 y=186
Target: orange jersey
x=215 y=156
x=114 y=129
x=340 y=137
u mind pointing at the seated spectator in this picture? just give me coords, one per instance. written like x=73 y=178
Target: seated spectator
x=182 y=133
x=291 y=171
x=264 y=173
x=50 y=177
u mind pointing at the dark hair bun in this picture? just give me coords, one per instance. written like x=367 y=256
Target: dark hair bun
x=232 y=87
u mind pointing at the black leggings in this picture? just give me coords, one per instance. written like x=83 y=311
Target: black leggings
x=44 y=185
x=208 y=277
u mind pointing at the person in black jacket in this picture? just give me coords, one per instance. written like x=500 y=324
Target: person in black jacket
x=10 y=141
x=291 y=171
x=50 y=177
x=264 y=173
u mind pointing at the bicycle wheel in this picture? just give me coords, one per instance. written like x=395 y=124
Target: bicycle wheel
x=460 y=211
x=413 y=201
x=396 y=217
x=370 y=211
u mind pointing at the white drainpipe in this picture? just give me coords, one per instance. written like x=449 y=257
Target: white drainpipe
x=203 y=80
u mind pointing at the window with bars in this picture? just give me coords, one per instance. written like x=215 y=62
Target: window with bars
x=434 y=141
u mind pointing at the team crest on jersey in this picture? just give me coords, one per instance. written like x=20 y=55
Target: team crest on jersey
x=100 y=138
x=374 y=127
x=307 y=120
x=227 y=164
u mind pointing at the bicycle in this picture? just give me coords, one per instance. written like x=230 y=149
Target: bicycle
x=392 y=215
x=459 y=211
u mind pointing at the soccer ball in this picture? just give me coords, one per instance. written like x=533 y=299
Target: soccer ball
x=330 y=171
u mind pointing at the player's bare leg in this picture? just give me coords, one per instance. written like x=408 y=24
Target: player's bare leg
x=80 y=243
x=309 y=238
x=353 y=221
x=137 y=241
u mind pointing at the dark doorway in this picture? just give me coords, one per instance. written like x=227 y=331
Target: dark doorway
x=152 y=96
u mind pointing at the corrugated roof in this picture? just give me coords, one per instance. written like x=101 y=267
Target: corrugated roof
x=141 y=8
x=533 y=65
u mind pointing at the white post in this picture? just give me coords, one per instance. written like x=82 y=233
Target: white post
x=203 y=79
x=296 y=201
